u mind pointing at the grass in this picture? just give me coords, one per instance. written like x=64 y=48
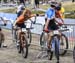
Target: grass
x=69 y=7
x=13 y=10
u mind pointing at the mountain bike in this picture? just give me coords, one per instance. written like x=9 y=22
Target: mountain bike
x=25 y=38
x=63 y=42
x=23 y=43
x=28 y=24
x=56 y=43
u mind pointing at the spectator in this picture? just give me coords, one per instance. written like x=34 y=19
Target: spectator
x=37 y=3
x=22 y=1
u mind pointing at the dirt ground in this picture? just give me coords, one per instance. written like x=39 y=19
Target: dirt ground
x=10 y=54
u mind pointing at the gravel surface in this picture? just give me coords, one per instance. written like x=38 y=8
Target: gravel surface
x=10 y=54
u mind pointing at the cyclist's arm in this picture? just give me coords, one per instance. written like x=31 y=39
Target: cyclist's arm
x=14 y=23
x=60 y=16
x=46 y=23
x=34 y=15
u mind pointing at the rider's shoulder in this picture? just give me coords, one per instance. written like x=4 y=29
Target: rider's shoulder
x=49 y=9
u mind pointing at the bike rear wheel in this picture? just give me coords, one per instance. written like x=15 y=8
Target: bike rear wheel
x=29 y=36
x=63 y=45
x=50 y=54
x=24 y=45
x=43 y=41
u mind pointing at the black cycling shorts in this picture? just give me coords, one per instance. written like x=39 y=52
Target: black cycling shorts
x=52 y=25
x=21 y=25
x=36 y=2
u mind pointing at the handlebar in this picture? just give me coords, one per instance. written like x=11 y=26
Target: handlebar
x=62 y=28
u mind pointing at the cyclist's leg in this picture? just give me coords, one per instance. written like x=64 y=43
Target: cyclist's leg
x=18 y=33
x=20 y=26
x=50 y=34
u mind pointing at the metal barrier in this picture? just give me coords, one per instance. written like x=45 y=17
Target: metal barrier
x=38 y=27
x=71 y=36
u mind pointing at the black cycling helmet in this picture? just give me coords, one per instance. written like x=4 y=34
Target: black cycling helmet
x=58 y=8
x=53 y=4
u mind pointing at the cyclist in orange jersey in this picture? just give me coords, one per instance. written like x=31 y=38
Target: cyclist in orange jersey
x=21 y=19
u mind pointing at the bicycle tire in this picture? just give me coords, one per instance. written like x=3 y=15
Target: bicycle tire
x=24 y=48
x=50 y=54
x=57 y=47
x=19 y=48
x=64 y=51
x=41 y=38
x=29 y=37
x=43 y=41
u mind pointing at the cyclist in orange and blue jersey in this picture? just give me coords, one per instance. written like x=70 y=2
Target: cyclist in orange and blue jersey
x=60 y=12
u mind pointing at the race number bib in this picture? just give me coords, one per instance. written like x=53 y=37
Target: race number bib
x=24 y=29
x=56 y=32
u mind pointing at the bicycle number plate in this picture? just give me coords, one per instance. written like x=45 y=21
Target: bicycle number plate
x=56 y=32
x=23 y=29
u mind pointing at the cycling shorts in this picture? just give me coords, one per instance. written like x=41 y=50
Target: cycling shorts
x=52 y=25
x=22 y=25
